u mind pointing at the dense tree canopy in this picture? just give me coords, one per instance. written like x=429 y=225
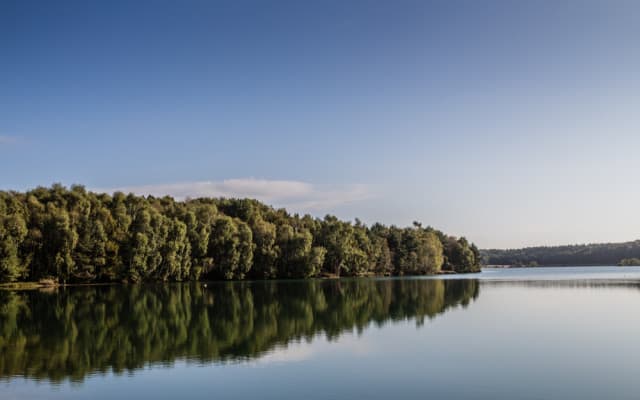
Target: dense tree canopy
x=586 y=254
x=73 y=235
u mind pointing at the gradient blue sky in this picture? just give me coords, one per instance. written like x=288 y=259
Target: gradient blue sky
x=511 y=122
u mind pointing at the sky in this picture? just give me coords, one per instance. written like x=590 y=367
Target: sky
x=513 y=123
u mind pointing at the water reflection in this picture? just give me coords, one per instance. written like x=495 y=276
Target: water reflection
x=71 y=333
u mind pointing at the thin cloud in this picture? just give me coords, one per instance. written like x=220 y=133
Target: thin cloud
x=295 y=195
x=6 y=139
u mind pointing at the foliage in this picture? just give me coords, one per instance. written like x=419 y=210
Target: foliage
x=74 y=235
x=629 y=262
x=587 y=254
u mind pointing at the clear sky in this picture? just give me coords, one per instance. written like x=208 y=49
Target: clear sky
x=513 y=123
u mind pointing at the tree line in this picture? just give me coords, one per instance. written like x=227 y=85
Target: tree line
x=586 y=254
x=74 y=235
x=74 y=332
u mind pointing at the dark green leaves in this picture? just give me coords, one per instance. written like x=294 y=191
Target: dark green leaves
x=79 y=236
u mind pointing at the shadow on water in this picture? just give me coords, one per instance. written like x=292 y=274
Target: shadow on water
x=75 y=332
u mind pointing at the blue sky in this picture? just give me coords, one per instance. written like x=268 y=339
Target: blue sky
x=512 y=123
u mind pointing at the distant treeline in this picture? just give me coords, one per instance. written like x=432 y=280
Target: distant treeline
x=72 y=235
x=629 y=262
x=587 y=254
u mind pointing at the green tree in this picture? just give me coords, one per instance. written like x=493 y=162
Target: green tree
x=460 y=256
x=231 y=248
x=59 y=243
x=266 y=251
x=298 y=258
x=337 y=238
x=13 y=231
x=175 y=253
x=76 y=235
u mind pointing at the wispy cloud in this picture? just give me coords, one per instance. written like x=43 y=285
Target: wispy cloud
x=296 y=195
x=6 y=139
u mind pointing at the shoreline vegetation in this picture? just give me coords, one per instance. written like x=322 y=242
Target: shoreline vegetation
x=629 y=262
x=50 y=284
x=58 y=235
x=620 y=264
x=595 y=254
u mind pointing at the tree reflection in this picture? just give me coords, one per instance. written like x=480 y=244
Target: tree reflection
x=74 y=332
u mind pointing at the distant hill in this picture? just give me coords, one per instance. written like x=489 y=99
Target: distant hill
x=583 y=254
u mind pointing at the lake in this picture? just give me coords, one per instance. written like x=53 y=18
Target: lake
x=529 y=333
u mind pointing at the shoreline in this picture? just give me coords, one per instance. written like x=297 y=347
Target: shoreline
x=55 y=285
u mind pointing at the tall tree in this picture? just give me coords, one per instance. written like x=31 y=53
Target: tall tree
x=13 y=231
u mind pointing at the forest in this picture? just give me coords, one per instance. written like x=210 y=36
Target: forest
x=586 y=254
x=629 y=262
x=71 y=235
x=122 y=328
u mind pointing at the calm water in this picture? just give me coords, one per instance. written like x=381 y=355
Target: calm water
x=544 y=333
